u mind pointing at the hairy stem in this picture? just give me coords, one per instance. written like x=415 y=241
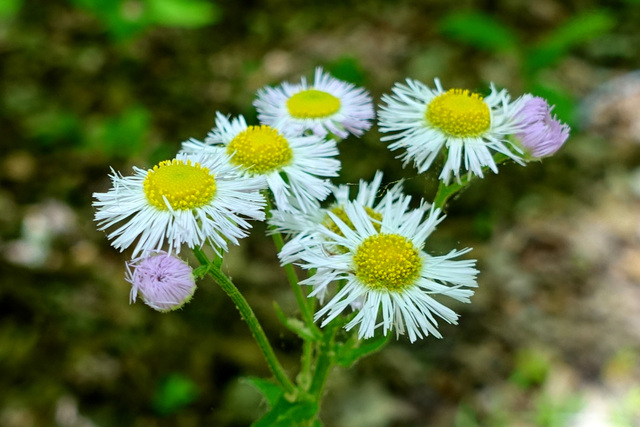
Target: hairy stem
x=252 y=321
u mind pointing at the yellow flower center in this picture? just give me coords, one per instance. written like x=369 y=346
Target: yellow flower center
x=387 y=262
x=183 y=185
x=340 y=213
x=260 y=149
x=459 y=113
x=312 y=104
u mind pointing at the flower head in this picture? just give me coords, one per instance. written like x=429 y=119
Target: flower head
x=165 y=282
x=328 y=105
x=191 y=199
x=424 y=121
x=388 y=272
x=293 y=166
x=304 y=227
x=541 y=134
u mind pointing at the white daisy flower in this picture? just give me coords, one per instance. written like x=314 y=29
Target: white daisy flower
x=293 y=166
x=301 y=226
x=304 y=226
x=388 y=269
x=425 y=120
x=328 y=105
x=191 y=199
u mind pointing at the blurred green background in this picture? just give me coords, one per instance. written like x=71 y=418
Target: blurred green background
x=552 y=337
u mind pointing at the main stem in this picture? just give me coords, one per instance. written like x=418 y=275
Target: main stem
x=252 y=321
x=293 y=281
x=292 y=277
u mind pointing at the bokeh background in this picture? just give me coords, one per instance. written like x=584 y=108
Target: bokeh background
x=552 y=337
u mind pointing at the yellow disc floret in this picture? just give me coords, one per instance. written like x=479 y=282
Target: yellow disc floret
x=387 y=262
x=260 y=149
x=339 y=211
x=183 y=185
x=459 y=113
x=313 y=104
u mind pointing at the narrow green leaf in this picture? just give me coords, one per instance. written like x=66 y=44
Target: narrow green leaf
x=349 y=354
x=271 y=391
x=578 y=29
x=479 y=30
x=574 y=32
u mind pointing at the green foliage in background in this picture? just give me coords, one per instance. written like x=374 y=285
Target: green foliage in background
x=9 y=8
x=481 y=31
x=120 y=136
x=124 y=19
x=174 y=393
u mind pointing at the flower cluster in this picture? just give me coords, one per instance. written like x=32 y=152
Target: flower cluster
x=367 y=252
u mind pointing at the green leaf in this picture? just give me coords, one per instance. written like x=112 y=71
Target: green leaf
x=288 y=414
x=575 y=32
x=349 y=354
x=183 y=13
x=479 y=30
x=271 y=391
x=579 y=29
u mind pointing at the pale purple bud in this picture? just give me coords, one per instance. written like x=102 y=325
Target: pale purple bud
x=164 y=281
x=541 y=135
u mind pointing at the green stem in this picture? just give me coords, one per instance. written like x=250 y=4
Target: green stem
x=297 y=290
x=325 y=360
x=252 y=321
x=445 y=192
x=306 y=361
x=292 y=277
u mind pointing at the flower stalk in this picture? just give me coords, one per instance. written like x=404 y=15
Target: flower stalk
x=252 y=321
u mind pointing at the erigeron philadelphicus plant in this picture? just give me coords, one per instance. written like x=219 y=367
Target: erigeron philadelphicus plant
x=370 y=274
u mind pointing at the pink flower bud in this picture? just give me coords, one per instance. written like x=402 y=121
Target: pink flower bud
x=164 y=281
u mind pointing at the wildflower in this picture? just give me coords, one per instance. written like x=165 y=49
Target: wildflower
x=293 y=166
x=541 y=135
x=165 y=282
x=328 y=105
x=387 y=270
x=302 y=226
x=425 y=120
x=191 y=199
x=306 y=226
